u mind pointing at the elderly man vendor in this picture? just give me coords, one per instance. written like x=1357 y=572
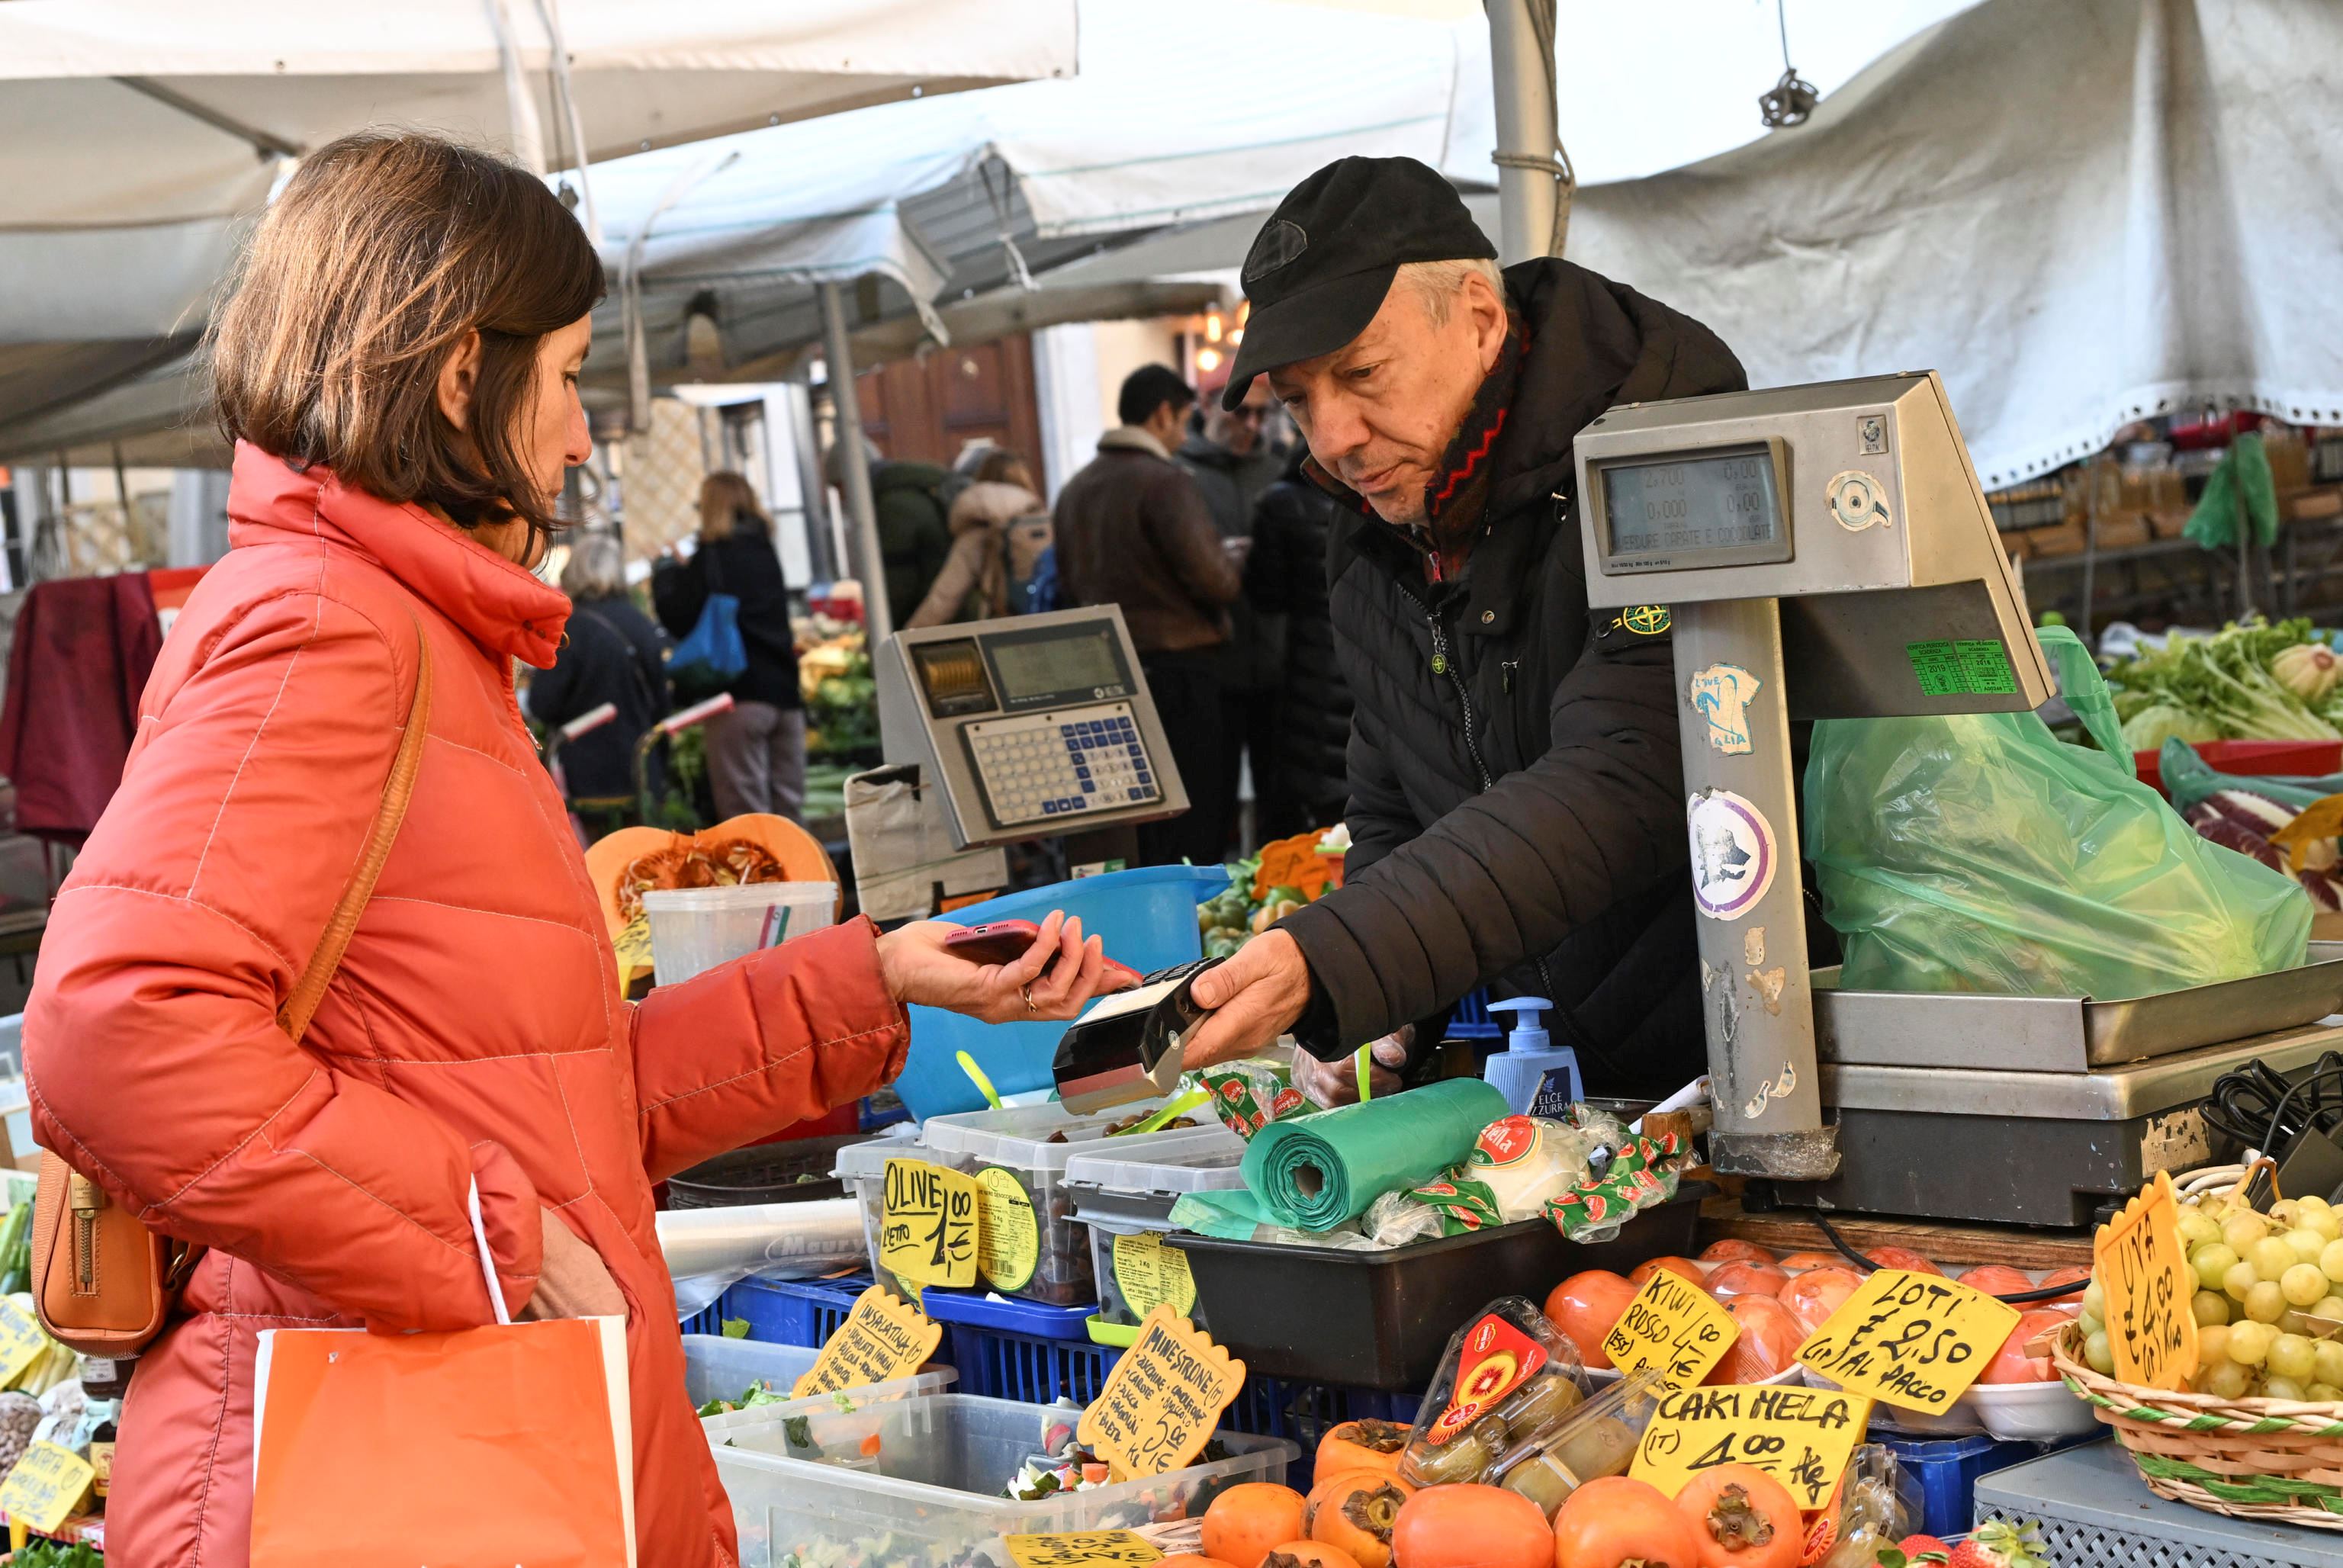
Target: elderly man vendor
x=1516 y=806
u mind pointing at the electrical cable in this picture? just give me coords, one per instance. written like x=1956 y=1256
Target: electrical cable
x=2249 y=1105
x=2015 y=1299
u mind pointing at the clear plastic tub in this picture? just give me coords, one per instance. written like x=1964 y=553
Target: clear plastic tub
x=717 y=1368
x=1120 y=1199
x=695 y=928
x=862 y=1168
x=915 y=1484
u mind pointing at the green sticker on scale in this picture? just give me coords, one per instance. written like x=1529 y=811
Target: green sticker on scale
x=1980 y=669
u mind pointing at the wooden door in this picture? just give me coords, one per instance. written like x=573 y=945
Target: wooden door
x=928 y=409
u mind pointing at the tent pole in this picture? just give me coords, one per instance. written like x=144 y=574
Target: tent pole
x=1528 y=190
x=854 y=473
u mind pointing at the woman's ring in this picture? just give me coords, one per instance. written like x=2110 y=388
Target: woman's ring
x=1026 y=991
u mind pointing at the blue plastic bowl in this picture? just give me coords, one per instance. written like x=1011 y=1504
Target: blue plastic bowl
x=1147 y=917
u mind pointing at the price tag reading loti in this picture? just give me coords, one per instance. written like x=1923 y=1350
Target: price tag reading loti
x=1163 y=1400
x=928 y=1228
x=1802 y=1437
x=1675 y=1328
x=880 y=1339
x=1081 y=1549
x=1913 y=1341
x=2144 y=1269
x=47 y=1485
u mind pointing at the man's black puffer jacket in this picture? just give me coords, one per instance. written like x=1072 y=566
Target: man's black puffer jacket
x=1286 y=575
x=1518 y=817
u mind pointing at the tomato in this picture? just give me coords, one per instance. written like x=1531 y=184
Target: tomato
x=1682 y=1268
x=1813 y=1296
x=1355 y=1511
x=2073 y=1274
x=1768 y=1341
x=2011 y=1363
x=1741 y=1517
x=1244 y=1521
x=1584 y=1306
x=1731 y=1279
x=1996 y=1280
x=1732 y=1252
x=1368 y=1444
x=1308 y=1554
x=1902 y=1258
x=1614 y=1522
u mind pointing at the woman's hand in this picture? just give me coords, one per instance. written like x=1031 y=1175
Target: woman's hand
x=920 y=969
x=573 y=1283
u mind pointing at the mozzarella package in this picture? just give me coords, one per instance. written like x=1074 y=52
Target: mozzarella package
x=1525 y=1161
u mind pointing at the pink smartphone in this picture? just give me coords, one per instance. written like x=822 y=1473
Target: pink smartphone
x=999 y=941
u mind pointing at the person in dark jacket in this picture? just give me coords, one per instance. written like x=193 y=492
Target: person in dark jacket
x=756 y=753
x=612 y=654
x=912 y=504
x=1285 y=577
x=1131 y=531
x=1516 y=783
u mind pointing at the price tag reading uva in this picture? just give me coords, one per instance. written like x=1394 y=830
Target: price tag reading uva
x=1081 y=1549
x=880 y=1339
x=1802 y=1437
x=1914 y=1341
x=1163 y=1400
x=1675 y=1328
x=928 y=1228
x=47 y=1485
x=2144 y=1269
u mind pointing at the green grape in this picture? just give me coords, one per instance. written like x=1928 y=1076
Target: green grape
x=2325 y=1222
x=2323 y=1394
x=2212 y=1263
x=2308 y=1244
x=2286 y=1214
x=2281 y=1388
x=2328 y=1306
x=2249 y=1342
x=2197 y=1227
x=2097 y=1352
x=2271 y=1258
x=2326 y=1360
x=2266 y=1304
x=2208 y=1306
x=2240 y=1282
x=2330 y=1260
x=2095 y=1298
x=2212 y=1345
x=2303 y=1286
x=2243 y=1229
x=2228 y=1380
x=2290 y=1356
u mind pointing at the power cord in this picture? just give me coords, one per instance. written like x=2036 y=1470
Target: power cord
x=2250 y=1104
x=2015 y=1299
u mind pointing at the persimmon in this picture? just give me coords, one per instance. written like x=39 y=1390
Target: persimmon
x=1768 y=1340
x=1367 y=1444
x=1797 y=1260
x=1730 y=1251
x=1996 y=1280
x=1355 y=1511
x=1813 y=1296
x=1741 y=1517
x=1731 y=1279
x=1309 y=1554
x=1471 y=1526
x=2073 y=1274
x=1584 y=1306
x=1245 y=1522
x=1902 y=1258
x=1614 y=1522
x=1682 y=1268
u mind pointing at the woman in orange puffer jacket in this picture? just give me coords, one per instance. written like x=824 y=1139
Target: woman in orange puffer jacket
x=398 y=367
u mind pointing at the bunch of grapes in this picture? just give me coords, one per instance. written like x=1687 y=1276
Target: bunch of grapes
x=2262 y=1278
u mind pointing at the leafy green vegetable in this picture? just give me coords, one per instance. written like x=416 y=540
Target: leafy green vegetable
x=2223 y=683
x=757 y=1393
x=798 y=1430
x=2151 y=727
x=40 y=1554
x=736 y=1328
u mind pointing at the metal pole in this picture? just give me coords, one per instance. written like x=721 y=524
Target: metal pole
x=1527 y=188
x=854 y=473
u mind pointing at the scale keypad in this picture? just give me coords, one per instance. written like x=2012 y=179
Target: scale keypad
x=1041 y=767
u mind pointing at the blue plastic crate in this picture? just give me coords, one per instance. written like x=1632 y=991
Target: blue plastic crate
x=710 y=1319
x=1471 y=1020
x=787 y=1312
x=1306 y=1413
x=1949 y=1468
x=1021 y=1350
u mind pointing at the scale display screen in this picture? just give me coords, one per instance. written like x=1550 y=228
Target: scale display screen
x=1713 y=509
x=1058 y=665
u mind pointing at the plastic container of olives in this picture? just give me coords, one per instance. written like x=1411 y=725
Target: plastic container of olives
x=1508 y=1385
x=1597 y=1439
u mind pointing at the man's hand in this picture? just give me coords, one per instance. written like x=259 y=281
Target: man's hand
x=921 y=968
x=1332 y=1083
x=572 y=1281
x=1255 y=995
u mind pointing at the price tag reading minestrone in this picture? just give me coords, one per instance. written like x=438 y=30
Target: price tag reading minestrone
x=21 y=1339
x=1914 y=1341
x=1802 y=1437
x=2143 y=1267
x=928 y=1228
x=1081 y=1549
x=880 y=1339
x=1675 y=1328
x=1164 y=1399
x=47 y=1485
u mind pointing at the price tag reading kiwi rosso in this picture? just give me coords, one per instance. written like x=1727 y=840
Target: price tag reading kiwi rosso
x=1163 y=1400
x=2144 y=1269
x=1151 y=1274
x=928 y=1228
x=1802 y=1437
x=1914 y=1341
x=1675 y=1328
x=880 y=1339
x=1081 y=1549
x=1008 y=1239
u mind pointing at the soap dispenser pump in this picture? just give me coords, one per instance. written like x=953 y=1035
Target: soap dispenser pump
x=1537 y=1077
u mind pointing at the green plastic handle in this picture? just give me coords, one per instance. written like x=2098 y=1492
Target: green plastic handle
x=1365 y=1062
x=1180 y=1106
x=976 y=1075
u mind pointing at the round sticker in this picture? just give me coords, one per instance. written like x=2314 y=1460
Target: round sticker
x=1857 y=500
x=1009 y=1241
x=1152 y=1273
x=1733 y=854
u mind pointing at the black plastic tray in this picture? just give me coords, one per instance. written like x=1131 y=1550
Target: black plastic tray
x=765 y=1173
x=1381 y=1319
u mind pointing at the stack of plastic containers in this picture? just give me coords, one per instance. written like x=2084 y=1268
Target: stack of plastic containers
x=716 y=1368
x=1124 y=1197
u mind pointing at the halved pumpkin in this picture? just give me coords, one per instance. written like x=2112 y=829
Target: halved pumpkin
x=757 y=847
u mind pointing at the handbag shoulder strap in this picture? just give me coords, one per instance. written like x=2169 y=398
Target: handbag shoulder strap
x=292 y=1018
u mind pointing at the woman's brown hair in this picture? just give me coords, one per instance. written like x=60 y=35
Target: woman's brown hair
x=382 y=252
x=727 y=502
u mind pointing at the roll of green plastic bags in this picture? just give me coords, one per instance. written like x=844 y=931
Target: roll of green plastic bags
x=1315 y=1173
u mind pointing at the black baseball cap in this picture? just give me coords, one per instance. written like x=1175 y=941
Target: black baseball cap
x=1319 y=267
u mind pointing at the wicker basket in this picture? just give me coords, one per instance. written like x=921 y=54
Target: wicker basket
x=2247 y=1458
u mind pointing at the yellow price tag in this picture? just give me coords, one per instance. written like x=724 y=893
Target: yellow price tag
x=927 y=1227
x=1802 y=1437
x=1164 y=1399
x=1675 y=1328
x=1915 y=1341
x=1081 y=1549
x=21 y=1340
x=2144 y=1269
x=880 y=1339
x=1152 y=1275
x=47 y=1485
x=1009 y=1237
x=633 y=948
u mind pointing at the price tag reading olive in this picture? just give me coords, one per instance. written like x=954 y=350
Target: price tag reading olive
x=928 y=1228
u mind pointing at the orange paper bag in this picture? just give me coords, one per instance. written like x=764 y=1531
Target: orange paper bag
x=499 y=1445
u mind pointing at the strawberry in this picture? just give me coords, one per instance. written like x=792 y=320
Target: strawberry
x=1913 y=1552
x=1998 y=1544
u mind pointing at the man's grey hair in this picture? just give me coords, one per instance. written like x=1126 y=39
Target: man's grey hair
x=596 y=568
x=1438 y=283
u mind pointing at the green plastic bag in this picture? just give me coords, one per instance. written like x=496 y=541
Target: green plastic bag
x=1978 y=852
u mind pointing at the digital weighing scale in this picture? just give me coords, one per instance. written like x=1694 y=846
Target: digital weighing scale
x=1826 y=552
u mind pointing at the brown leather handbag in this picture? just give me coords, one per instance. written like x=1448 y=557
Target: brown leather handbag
x=103 y=1283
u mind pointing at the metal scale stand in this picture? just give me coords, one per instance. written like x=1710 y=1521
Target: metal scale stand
x=1826 y=552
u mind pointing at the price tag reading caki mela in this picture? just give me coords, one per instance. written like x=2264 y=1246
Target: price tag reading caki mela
x=928 y=1228
x=1802 y=1437
x=2144 y=1269
x=1673 y=1327
x=1164 y=1399
x=880 y=1339
x=1914 y=1341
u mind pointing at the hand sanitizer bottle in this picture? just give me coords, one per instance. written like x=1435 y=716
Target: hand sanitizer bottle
x=1537 y=1078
